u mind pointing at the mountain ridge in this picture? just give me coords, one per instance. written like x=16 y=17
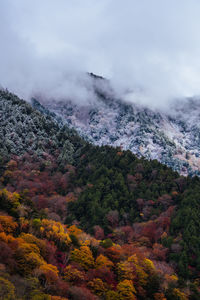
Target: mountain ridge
x=172 y=137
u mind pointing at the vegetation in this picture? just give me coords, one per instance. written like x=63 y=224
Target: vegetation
x=85 y=222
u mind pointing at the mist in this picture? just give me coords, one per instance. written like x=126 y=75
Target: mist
x=149 y=50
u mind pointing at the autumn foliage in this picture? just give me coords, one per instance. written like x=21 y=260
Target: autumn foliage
x=64 y=235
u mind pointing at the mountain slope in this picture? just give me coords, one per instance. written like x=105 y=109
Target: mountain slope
x=144 y=217
x=26 y=130
x=172 y=137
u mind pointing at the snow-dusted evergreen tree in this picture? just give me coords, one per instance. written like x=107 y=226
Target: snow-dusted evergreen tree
x=24 y=129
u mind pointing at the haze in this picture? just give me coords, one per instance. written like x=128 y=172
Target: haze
x=149 y=49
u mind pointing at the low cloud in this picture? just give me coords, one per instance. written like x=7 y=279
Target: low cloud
x=148 y=49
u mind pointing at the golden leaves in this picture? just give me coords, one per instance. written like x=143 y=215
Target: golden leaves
x=83 y=256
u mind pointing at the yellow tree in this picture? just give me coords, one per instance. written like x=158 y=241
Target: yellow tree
x=7 y=289
x=31 y=239
x=98 y=287
x=126 y=270
x=7 y=224
x=179 y=295
x=103 y=261
x=126 y=290
x=48 y=272
x=74 y=230
x=56 y=232
x=142 y=276
x=112 y=295
x=83 y=256
x=72 y=274
x=28 y=258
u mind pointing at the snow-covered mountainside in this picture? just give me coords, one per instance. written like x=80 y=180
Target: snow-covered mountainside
x=173 y=137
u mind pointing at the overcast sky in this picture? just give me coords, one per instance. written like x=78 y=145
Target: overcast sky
x=150 y=47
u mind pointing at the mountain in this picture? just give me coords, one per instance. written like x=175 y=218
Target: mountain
x=79 y=221
x=26 y=130
x=172 y=137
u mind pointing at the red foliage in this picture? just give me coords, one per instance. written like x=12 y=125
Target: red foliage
x=104 y=274
x=62 y=259
x=40 y=201
x=81 y=293
x=159 y=252
x=149 y=230
x=6 y=255
x=50 y=253
x=113 y=254
x=98 y=233
x=128 y=233
x=61 y=288
x=113 y=218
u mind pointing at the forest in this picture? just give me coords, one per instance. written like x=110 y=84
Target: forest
x=79 y=221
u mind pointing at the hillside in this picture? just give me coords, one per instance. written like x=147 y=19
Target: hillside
x=80 y=221
x=25 y=130
x=172 y=137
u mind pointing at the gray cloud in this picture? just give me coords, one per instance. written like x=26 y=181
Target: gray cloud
x=148 y=47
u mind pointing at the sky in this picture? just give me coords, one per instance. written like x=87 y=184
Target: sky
x=149 y=49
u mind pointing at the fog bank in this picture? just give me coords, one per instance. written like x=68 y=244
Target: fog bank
x=148 y=49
